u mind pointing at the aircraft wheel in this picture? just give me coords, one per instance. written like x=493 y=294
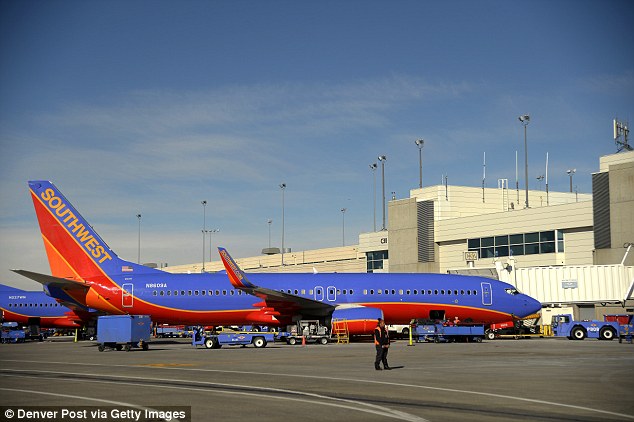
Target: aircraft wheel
x=323 y=340
x=292 y=341
x=127 y=347
x=578 y=333
x=101 y=348
x=490 y=335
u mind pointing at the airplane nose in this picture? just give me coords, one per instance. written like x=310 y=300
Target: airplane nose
x=532 y=305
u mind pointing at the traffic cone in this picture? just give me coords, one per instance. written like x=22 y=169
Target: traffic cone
x=303 y=341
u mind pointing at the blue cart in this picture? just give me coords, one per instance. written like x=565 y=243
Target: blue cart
x=441 y=333
x=216 y=341
x=123 y=332
x=11 y=333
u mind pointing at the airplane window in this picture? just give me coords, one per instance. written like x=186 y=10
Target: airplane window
x=303 y=291
x=371 y=291
x=211 y=292
x=40 y=305
x=379 y=291
x=189 y=292
x=442 y=292
x=400 y=292
x=196 y=292
x=231 y=292
x=311 y=292
x=162 y=293
x=203 y=292
x=455 y=292
x=428 y=292
x=224 y=293
x=296 y=291
x=345 y=291
x=407 y=292
x=182 y=292
x=462 y=292
x=169 y=292
x=435 y=292
x=217 y=292
x=416 y=292
x=475 y=292
x=351 y=292
x=393 y=291
x=175 y=292
x=154 y=293
x=318 y=291
x=469 y=292
x=512 y=292
x=365 y=291
x=338 y=291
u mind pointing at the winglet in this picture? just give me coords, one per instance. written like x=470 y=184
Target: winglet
x=237 y=277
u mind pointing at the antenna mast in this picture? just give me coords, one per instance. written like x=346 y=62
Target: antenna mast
x=621 y=136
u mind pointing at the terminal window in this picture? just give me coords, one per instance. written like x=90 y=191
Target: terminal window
x=518 y=244
x=375 y=260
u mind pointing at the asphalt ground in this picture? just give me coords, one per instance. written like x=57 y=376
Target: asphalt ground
x=499 y=380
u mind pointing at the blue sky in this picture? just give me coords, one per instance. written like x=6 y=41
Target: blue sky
x=151 y=107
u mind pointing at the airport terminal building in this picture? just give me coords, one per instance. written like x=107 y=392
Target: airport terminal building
x=490 y=232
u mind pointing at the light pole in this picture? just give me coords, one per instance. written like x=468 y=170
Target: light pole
x=283 y=188
x=343 y=226
x=571 y=172
x=210 y=231
x=525 y=119
x=204 y=228
x=420 y=143
x=139 y=243
x=382 y=159
x=373 y=167
x=540 y=178
x=269 y=223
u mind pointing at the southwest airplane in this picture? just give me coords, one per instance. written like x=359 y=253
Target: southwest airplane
x=84 y=268
x=37 y=308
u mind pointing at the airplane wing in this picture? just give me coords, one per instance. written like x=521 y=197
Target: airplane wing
x=284 y=303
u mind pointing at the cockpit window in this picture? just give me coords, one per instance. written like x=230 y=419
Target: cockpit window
x=512 y=292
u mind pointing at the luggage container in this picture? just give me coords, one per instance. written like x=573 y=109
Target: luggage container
x=123 y=332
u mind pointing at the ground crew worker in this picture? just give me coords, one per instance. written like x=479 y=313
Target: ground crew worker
x=382 y=343
x=456 y=321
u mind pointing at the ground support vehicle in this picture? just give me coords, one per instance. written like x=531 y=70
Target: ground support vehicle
x=170 y=331
x=307 y=331
x=438 y=333
x=124 y=332
x=217 y=340
x=516 y=329
x=12 y=334
x=565 y=326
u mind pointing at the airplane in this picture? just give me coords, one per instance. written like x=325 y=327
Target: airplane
x=36 y=308
x=86 y=269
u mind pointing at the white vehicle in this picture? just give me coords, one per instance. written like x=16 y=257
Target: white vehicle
x=399 y=330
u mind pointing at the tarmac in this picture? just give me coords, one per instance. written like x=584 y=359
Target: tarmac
x=500 y=380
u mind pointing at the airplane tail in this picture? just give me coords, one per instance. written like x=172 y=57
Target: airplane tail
x=237 y=277
x=74 y=249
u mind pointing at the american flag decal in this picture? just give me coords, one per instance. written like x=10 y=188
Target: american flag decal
x=127 y=269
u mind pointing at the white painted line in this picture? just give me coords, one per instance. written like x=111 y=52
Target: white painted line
x=327 y=401
x=269 y=374
x=71 y=396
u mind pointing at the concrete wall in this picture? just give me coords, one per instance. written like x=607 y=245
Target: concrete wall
x=621 y=171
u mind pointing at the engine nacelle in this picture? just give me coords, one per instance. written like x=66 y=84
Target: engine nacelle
x=360 y=320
